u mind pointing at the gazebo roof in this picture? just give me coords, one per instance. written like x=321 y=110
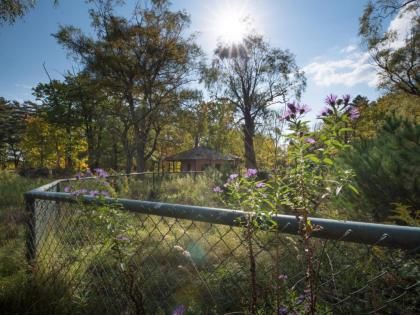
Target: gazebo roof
x=201 y=153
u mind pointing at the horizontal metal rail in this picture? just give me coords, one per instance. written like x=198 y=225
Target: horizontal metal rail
x=136 y=174
x=350 y=231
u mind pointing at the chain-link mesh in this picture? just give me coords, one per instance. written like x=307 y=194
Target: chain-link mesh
x=107 y=260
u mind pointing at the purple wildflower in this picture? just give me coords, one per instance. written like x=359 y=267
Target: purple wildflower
x=217 y=189
x=310 y=140
x=79 y=192
x=292 y=107
x=283 y=310
x=179 y=310
x=101 y=173
x=232 y=177
x=78 y=176
x=283 y=277
x=94 y=193
x=260 y=185
x=67 y=189
x=250 y=172
x=326 y=111
x=331 y=99
x=300 y=299
x=287 y=115
x=88 y=173
x=105 y=193
x=304 y=109
x=122 y=238
x=346 y=99
x=354 y=113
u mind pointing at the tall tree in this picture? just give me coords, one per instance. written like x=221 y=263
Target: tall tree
x=90 y=103
x=79 y=105
x=13 y=117
x=397 y=55
x=58 y=109
x=147 y=61
x=208 y=123
x=252 y=76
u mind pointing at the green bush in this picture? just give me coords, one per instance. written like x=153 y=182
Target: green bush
x=387 y=169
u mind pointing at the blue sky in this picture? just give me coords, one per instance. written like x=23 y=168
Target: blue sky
x=322 y=34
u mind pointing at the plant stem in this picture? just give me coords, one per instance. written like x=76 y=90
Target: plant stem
x=252 y=269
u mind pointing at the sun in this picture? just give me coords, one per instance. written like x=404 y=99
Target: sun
x=231 y=26
x=230 y=22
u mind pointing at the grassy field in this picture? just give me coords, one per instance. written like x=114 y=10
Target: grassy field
x=97 y=259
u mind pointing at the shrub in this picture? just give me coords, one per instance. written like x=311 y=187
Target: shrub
x=387 y=168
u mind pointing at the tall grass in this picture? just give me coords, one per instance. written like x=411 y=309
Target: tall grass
x=13 y=267
x=173 y=188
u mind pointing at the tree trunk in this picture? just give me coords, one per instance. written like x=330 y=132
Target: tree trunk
x=128 y=162
x=138 y=139
x=248 y=130
x=196 y=141
x=90 y=147
x=58 y=155
x=128 y=154
x=140 y=156
x=115 y=156
x=98 y=148
x=68 y=161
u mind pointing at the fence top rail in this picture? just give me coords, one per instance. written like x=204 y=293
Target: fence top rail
x=65 y=180
x=349 y=231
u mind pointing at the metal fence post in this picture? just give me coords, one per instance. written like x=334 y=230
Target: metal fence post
x=30 y=230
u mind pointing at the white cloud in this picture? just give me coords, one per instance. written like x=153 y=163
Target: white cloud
x=352 y=66
x=349 y=49
x=401 y=25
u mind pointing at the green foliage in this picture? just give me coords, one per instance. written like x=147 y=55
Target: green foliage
x=12 y=187
x=13 y=117
x=310 y=179
x=17 y=292
x=373 y=114
x=11 y=10
x=145 y=63
x=387 y=168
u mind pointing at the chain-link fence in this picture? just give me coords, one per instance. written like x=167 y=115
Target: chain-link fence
x=122 y=256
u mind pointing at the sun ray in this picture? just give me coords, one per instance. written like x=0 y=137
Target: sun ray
x=230 y=22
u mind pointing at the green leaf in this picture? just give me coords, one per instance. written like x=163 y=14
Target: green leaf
x=343 y=130
x=328 y=161
x=354 y=189
x=313 y=158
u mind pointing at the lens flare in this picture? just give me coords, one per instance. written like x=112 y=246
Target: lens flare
x=230 y=22
x=231 y=27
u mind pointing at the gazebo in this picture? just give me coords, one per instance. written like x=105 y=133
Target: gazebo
x=200 y=158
